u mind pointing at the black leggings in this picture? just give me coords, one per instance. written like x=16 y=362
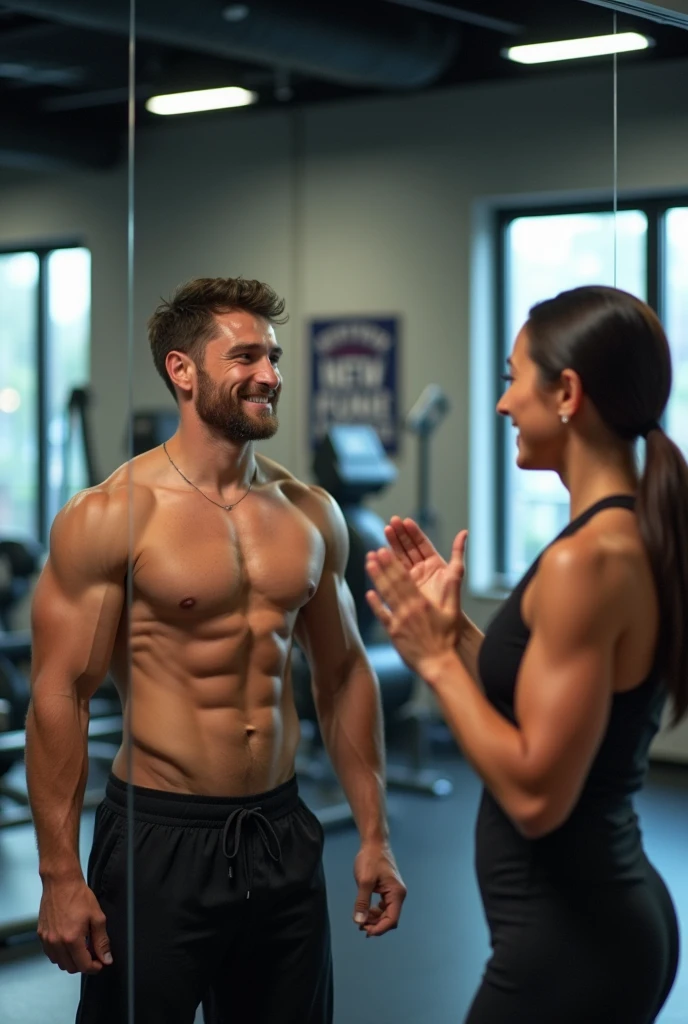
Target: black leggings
x=606 y=955
x=229 y=908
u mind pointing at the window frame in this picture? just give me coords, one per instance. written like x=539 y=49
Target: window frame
x=41 y=526
x=655 y=208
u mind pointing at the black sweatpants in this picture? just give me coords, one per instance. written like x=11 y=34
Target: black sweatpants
x=229 y=909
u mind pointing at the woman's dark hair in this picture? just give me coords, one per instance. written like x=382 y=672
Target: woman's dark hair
x=186 y=322
x=617 y=346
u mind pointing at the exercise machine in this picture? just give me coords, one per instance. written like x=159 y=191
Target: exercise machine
x=78 y=432
x=150 y=428
x=422 y=420
x=20 y=561
x=351 y=464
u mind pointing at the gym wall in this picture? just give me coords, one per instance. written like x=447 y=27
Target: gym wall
x=362 y=207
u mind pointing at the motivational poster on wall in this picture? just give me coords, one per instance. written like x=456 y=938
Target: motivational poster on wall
x=355 y=376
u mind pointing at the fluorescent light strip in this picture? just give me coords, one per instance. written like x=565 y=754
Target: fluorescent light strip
x=573 y=49
x=201 y=99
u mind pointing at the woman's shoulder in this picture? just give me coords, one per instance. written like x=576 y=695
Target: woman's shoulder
x=603 y=560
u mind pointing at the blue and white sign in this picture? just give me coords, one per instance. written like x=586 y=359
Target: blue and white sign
x=354 y=376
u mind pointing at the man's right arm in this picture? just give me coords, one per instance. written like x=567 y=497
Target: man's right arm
x=76 y=611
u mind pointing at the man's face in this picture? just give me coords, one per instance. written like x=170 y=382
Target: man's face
x=238 y=381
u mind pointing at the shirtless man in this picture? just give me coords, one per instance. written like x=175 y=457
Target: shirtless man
x=232 y=559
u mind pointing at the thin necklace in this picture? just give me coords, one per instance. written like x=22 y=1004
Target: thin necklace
x=227 y=508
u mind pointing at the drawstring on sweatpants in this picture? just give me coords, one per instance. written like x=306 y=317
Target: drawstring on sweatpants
x=233 y=827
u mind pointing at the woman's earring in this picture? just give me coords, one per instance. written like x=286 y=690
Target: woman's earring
x=564 y=419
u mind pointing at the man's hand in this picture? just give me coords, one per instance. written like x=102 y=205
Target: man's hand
x=71 y=927
x=422 y=560
x=375 y=871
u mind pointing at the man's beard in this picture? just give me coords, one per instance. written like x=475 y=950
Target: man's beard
x=227 y=416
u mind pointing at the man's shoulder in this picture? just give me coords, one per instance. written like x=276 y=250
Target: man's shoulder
x=275 y=472
x=106 y=508
x=313 y=500
x=272 y=472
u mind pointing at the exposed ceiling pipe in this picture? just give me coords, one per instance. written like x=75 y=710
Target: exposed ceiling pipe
x=668 y=12
x=462 y=15
x=95 y=98
x=361 y=48
x=36 y=146
x=44 y=54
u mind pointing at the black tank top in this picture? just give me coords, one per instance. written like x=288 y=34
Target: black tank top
x=600 y=839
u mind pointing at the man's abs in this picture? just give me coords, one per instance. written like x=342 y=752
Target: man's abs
x=209 y=706
x=220 y=736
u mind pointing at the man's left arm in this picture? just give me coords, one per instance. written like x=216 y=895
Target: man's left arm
x=347 y=700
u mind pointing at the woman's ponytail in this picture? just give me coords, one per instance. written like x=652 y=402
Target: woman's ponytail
x=662 y=510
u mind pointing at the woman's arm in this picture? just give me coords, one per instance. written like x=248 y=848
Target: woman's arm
x=468 y=646
x=563 y=695
x=431 y=573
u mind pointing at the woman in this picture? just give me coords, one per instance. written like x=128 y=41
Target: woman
x=556 y=705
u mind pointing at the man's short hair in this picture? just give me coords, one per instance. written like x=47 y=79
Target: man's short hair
x=186 y=322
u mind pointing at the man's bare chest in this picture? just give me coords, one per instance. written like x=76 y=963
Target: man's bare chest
x=198 y=562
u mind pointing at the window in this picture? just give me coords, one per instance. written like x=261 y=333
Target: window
x=19 y=274
x=543 y=252
x=676 y=320
x=44 y=352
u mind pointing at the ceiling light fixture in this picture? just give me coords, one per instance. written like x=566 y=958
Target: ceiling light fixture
x=236 y=12
x=574 y=49
x=201 y=99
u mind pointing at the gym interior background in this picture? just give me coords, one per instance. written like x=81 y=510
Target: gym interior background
x=395 y=164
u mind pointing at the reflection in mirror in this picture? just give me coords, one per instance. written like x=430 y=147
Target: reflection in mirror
x=409 y=234
x=360 y=210
x=63 y=420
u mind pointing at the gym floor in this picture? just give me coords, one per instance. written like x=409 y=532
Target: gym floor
x=428 y=970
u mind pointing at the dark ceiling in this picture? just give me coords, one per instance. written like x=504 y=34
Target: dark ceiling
x=64 y=63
